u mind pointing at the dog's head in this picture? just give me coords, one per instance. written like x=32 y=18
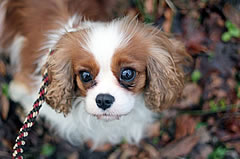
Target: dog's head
x=110 y=64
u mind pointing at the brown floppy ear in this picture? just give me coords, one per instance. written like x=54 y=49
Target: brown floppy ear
x=165 y=76
x=60 y=90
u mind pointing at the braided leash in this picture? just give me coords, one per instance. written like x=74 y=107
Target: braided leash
x=30 y=120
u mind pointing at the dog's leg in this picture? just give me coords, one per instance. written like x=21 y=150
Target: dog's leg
x=20 y=93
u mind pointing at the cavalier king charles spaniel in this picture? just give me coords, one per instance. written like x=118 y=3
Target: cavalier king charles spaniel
x=108 y=79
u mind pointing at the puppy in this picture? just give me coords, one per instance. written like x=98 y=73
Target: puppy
x=108 y=80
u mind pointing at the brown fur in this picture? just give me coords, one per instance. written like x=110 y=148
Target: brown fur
x=32 y=18
x=165 y=76
x=133 y=56
x=157 y=58
x=82 y=61
x=63 y=66
x=159 y=72
x=60 y=90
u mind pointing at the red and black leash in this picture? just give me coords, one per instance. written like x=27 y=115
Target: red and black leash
x=30 y=120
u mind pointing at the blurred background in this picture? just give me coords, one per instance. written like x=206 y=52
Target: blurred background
x=203 y=124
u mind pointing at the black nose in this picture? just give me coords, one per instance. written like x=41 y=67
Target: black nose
x=104 y=101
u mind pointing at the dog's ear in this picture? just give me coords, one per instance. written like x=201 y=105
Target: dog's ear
x=165 y=75
x=60 y=90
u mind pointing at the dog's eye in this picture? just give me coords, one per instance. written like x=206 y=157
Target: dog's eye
x=85 y=76
x=128 y=74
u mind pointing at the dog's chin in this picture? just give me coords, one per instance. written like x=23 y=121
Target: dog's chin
x=109 y=117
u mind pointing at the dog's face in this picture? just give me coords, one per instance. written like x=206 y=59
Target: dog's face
x=109 y=72
x=108 y=65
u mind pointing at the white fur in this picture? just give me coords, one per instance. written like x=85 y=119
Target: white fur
x=102 y=42
x=18 y=92
x=15 y=50
x=80 y=124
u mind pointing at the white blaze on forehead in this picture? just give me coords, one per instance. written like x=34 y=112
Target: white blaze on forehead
x=102 y=42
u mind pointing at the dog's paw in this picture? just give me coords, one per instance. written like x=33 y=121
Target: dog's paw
x=18 y=92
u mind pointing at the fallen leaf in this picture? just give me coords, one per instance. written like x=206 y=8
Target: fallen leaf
x=3 y=70
x=190 y=96
x=142 y=155
x=165 y=137
x=128 y=151
x=103 y=148
x=185 y=125
x=153 y=153
x=131 y=12
x=115 y=154
x=154 y=129
x=168 y=14
x=179 y=148
x=74 y=155
x=4 y=106
x=233 y=124
x=149 y=6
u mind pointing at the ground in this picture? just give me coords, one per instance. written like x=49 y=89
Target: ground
x=204 y=123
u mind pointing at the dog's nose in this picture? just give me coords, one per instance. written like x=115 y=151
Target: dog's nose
x=104 y=101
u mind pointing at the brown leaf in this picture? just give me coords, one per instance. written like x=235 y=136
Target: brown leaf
x=149 y=6
x=151 y=151
x=115 y=154
x=185 y=125
x=217 y=81
x=195 y=45
x=74 y=155
x=179 y=148
x=190 y=96
x=5 y=107
x=214 y=89
x=233 y=124
x=128 y=151
x=168 y=14
x=103 y=148
x=165 y=137
x=154 y=129
x=132 y=12
x=3 y=71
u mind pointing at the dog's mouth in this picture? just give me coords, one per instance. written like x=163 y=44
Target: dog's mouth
x=108 y=117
